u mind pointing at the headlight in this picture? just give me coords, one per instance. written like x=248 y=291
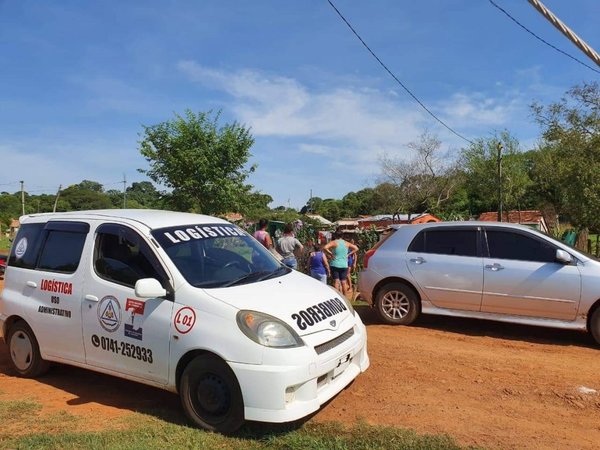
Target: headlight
x=346 y=301
x=267 y=330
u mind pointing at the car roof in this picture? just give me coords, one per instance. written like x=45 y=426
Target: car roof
x=465 y=223
x=152 y=218
x=476 y=223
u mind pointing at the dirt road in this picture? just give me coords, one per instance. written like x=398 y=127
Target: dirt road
x=486 y=384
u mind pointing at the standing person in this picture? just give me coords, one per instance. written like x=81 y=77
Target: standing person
x=262 y=235
x=287 y=245
x=352 y=259
x=319 y=266
x=338 y=250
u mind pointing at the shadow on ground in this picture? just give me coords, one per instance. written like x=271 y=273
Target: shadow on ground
x=90 y=388
x=489 y=328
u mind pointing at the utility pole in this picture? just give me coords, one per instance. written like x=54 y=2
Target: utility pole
x=124 y=192
x=56 y=199
x=499 y=147
x=22 y=198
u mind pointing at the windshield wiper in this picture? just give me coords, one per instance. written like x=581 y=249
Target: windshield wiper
x=257 y=276
x=247 y=277
x=279 y=271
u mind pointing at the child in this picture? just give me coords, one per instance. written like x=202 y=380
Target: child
x=318 y=264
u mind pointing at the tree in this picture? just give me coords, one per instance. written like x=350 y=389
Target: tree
x=144 y=194
x=84 y=196
x=256 y=205
x=201 y=162
x=426 y=181
x=480 y=165
x=87 y=185
x=567 y=165
x=331 y=209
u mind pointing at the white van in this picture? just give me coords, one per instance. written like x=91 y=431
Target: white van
x=186 y=302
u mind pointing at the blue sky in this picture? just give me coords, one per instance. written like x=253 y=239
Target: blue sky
x=78 y=79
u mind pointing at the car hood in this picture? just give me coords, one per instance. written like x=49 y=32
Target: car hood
x=305 y=304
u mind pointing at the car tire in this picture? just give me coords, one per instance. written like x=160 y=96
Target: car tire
x=595 y=325
x=24 y=351
x=211 y=395
x=397 y=304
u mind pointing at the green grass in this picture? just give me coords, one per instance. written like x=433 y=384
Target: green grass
x=17 y=416
x=139 y=431
x=17 y=411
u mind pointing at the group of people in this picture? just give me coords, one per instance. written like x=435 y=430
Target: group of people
x=337 y=259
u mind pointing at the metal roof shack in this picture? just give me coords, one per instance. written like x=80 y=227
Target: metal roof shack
x=322 y=220
x=532 y=218
x=383 y=221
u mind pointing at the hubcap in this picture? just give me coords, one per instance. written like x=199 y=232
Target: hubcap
x=395 y=305
x=213 y=396
x=21 y=350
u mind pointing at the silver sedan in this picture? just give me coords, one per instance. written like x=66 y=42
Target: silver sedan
x=484 y=270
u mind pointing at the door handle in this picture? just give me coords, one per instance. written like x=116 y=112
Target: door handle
x=494 y=267
x=418 y=260
x=92 y=298
x=31 y=284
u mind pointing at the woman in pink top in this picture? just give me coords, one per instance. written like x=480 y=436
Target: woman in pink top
x=262 y=235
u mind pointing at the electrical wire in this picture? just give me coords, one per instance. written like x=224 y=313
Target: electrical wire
x=395 y=77
x=540 y=39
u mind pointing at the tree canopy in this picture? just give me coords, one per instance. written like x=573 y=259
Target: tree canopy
x=566 y=166
x=201 y=162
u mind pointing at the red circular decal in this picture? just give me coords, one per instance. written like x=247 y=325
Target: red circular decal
x=185 y=320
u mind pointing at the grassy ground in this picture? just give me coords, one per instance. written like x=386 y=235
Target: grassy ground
x=24 y=426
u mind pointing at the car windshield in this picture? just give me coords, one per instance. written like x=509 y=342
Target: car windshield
x=217 y=255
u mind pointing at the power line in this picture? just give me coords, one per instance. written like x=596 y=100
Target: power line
x=570 y=34
x=395 y=77
x=540 y=39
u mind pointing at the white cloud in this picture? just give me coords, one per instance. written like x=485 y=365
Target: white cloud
x=354 y=122
x=468 y=110
x=44 y=165
x=332 y=137
x=316 y=149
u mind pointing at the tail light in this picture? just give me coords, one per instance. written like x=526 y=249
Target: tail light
x=367 y=256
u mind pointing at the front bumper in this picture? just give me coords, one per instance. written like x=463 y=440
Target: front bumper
x=287 y=392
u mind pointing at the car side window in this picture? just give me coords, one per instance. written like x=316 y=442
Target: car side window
x=123 y=257
x=26 y=248
x=62 y=251
x=510 y=245
x=446 y=242
x=55 y=246
x=418 y=243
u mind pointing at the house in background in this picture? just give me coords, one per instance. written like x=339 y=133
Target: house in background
x=233 y=217
x=14 y=227
x=382 y=221
x=534 y=219
x=322 y=220
x=347 y=225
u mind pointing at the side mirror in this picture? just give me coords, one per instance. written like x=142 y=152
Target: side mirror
x=563 y=257
x=149 y=288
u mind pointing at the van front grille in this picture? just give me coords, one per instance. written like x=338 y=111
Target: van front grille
x=322 y=348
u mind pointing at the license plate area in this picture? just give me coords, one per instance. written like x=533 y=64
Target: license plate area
x=342 y=364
